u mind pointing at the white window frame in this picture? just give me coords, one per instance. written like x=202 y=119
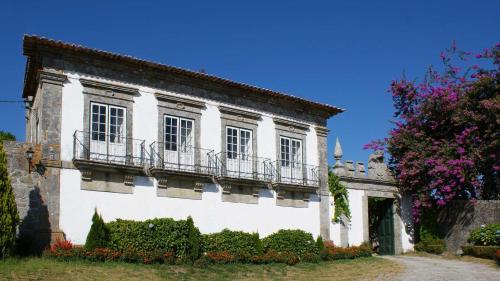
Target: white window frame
x=122 y=135
x=239 y=153
x=293 y=157
x=178 y=140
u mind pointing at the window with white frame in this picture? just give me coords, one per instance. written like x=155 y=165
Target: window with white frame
x=179 y=133
x=291 y=152
x=107 y=123
x=239 y=143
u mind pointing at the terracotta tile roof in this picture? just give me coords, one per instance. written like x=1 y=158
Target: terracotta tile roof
x=31 y=42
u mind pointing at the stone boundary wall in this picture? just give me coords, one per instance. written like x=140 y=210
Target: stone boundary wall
x=459 y=218
x=37 y=202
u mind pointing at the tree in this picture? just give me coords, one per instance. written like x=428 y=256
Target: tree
x=6 y=136
x=9 y=217
x=446 y=143
x=99 y=234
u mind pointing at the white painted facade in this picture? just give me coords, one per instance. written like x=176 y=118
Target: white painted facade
x=210 y=214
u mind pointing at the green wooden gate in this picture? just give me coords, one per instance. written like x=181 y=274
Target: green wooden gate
x=386 y=229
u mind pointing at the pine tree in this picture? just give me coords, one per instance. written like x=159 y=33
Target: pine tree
x=99 y=235
x=9 y=218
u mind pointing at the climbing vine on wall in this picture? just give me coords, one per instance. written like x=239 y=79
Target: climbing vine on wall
x=340 y=197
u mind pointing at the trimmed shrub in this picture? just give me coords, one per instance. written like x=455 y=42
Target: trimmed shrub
x=312 y=258
x=98 y=236
x=240 y=244
x=485 y=252
x=297 y=242
x=486 y=236
x=432 y=246
x=221 y=257
x=9 y=218
x=180 y=237
x=332 y=252
x=320 y=245
x=202 y=262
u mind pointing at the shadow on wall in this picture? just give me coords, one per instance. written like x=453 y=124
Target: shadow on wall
x=34 y=231
x=403 y=207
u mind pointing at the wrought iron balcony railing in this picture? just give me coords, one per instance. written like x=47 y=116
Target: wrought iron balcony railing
x=108 y=148
x=182 y=158
x=289 y=172
x=242 y=166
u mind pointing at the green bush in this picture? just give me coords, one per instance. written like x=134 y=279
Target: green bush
x=433 y=246
x=486 y=252
x=162 y=234
x=320 y=245
x=9 y=218
x=98 y=236
x=296 y=242
x=240 y=244
x=486 y=236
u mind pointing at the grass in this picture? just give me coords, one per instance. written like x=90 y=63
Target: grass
x=46 y=269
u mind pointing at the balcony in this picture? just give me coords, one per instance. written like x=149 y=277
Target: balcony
x=181 y=160
x=243 y=169
x=291 y=174
x=108 y=151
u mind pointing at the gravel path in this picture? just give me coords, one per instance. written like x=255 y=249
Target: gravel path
x=430 y=269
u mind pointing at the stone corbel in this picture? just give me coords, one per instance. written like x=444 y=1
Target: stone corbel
x=226 y=188
x=87 y=175
x=255 y=192
x=198 y=187
x=128 y=180
x=162 y=182
x=305 y=197
x=280 y=194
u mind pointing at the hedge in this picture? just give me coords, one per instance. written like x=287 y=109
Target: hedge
x=297 y=242
x=486 y=252
x=239 y=244
x=162 y=234
x=433 y=246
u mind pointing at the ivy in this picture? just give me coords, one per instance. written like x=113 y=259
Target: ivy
x=340 y=197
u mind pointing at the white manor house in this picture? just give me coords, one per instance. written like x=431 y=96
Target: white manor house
x=138 y=140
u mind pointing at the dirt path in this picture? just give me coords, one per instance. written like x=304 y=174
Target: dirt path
x=430 y=269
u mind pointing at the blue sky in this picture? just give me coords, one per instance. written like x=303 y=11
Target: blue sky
x=343 y=53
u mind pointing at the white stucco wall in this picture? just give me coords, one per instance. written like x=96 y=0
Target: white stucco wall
x=72 y=114
x=355 y=231
x=210 y=214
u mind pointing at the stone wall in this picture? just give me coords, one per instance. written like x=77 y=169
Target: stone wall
x=37 y=208
x=461 y=217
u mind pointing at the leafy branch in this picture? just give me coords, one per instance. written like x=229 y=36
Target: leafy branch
x=340 y=197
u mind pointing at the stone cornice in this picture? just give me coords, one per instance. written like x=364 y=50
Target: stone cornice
x=291 y=124
x=322 y=131
x=367 y=180
x=239 y=112
x=180 y=102
x=51 y=77
x=109 y=87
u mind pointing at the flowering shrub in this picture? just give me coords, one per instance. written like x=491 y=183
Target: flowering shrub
x=486 y=235
x=445 y=143
x=332 y=252
x=61 y=244
x=221 y=257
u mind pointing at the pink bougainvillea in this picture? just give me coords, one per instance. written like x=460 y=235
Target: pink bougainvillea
x=446 y=141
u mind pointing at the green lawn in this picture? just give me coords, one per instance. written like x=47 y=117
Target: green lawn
x=46 y=269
